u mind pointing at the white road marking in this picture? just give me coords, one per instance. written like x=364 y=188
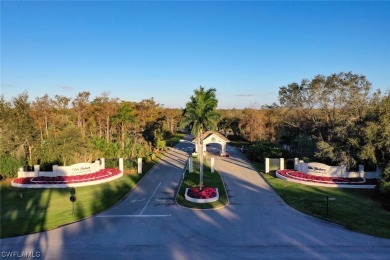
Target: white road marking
x=133 y=216
x=150 y=199
x=134 y=201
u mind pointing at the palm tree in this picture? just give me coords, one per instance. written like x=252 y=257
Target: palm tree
x=200 y=114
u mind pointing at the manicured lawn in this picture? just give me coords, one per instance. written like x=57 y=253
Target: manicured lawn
x=175 y=139
x=238 y=142
x=45 y=209
x=212 y=180
x=355 y=209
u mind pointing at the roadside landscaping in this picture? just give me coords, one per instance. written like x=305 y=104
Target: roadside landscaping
x=356 y=209
x=212 y=180
x=25 y=211
x=175 y=139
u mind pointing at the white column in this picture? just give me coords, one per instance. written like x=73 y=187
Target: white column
x=266 y=165
x=212 y=165
x=190 y=164
x=55 y=169
x=121 y=164
x=21 y=172
x=296 y=164
x=223 y=146
x=361 y=171
x=102 y=164
x=281 y=164
x=36 y=170
x=96 y=166
x=139 y=165
x=300 y=166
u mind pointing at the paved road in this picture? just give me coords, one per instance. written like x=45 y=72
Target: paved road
x=149 y=225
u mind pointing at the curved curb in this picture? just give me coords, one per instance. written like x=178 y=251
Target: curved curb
x=80 y=184
x=201 y=200
x=330 y=185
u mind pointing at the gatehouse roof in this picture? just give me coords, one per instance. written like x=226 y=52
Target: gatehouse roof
x=208 y=134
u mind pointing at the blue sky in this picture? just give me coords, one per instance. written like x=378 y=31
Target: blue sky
x=138 y=50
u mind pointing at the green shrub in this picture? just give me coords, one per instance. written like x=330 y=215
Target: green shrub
x=130 y=164
x=290 y=164
x=384 y=190
x=261 y=150
x=111 y=163
x=386 y=172
x=161 y=144
x=8 y=166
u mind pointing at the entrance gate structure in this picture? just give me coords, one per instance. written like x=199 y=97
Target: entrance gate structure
x=213 y=137
x=274 y=164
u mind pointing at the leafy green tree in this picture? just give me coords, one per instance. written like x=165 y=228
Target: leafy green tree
x=41 y=110
x=154 y=133
x=69 y=146
x=172 y=117
x=122 y=120
x=23 y=134
x=200 y=115
x=80 y=107
x=332 y=111
x=376 y=135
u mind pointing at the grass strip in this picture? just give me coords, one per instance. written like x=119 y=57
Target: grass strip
x=212 y=180
x=175 y=139
x=39 y=210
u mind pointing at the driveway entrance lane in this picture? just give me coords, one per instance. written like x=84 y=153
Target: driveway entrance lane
x=134 y=223
x=154 y=194
x=257 y=218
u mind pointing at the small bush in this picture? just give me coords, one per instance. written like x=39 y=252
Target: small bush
x=386 y=172
x=261 y=150
x=8 y=166
x=130 y=164
x=111 y=163
x=290 y=164
x=384 y=190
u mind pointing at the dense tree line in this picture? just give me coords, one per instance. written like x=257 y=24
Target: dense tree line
x=61 y=130
x=348 y=122
x=336 y=119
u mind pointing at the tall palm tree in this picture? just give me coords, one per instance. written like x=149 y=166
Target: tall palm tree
x=200 y=114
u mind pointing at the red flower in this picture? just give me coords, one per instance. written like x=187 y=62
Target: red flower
x=205 y=193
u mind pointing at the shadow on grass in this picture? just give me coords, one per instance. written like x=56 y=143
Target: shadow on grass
x=26 y=211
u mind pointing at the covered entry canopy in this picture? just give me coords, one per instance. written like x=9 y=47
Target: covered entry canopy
x=213 y=137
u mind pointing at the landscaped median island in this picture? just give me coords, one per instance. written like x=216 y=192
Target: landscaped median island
x=25 y=211
x=213 y=185
x=356 y=209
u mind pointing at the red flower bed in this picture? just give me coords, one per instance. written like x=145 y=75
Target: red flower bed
x=99 y=175
x=205 y=193
x=321 y=179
